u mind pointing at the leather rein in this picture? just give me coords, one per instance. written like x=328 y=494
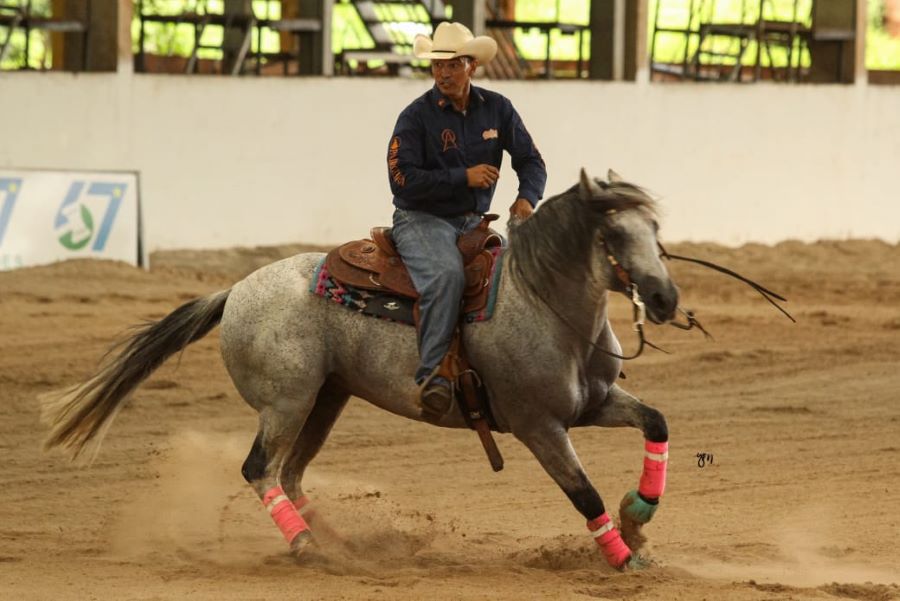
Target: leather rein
x=639 y=310
x=763 y=291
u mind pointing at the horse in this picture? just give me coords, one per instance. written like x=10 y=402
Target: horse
x=548 y=358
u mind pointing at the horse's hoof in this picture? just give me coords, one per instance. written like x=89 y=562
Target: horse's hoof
x=301 y=542
x=636 y=563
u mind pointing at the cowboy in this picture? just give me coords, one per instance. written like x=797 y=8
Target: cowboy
x=443 y=162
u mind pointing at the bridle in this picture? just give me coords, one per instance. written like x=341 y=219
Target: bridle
x=639 y=309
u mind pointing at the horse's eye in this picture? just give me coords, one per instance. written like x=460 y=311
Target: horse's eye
x=613 y=237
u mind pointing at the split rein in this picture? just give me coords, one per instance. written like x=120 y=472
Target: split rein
x=764 y=292
x=639 y=310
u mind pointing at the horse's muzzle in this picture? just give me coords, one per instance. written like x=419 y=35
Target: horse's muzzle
x=661 y=299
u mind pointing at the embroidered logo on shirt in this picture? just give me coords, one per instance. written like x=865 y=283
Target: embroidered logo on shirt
x=489 y=134
x=449 y=139
x=393 y=163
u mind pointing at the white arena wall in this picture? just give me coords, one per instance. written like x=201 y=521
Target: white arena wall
x=241 y=162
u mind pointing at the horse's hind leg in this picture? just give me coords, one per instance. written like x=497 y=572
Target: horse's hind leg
x=638 y=506
x=551 y=445
x=330 y=402
x=279 y=424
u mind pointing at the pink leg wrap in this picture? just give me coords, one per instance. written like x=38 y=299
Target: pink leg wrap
x=611 y=544
x=653 y=479
x=283 y=513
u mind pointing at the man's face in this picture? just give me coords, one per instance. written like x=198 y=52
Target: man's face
x=452 y=76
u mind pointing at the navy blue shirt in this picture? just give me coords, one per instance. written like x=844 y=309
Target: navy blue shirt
x=433 y=144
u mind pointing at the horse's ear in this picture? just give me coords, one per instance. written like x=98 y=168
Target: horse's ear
x=613 y=177
x=588 y=188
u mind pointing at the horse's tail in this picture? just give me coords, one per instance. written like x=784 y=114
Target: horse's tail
x=82 y=415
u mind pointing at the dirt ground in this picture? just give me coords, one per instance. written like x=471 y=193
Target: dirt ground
x=799 y=501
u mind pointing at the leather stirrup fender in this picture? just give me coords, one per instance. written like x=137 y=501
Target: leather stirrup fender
x=472 y=398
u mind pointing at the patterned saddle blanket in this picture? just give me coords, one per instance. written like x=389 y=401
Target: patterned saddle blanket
x=392 y=306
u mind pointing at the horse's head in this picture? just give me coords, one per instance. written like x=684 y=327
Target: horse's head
x=581 y=235
x=626 y=245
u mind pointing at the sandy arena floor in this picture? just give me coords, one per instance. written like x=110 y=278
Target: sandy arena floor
x=801 y=500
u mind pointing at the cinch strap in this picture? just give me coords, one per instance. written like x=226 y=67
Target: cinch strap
x=653 y=478
x=283 y=514
x=611 y=544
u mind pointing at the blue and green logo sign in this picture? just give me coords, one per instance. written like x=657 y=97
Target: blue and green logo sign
x=9 y=191
x=76 y=223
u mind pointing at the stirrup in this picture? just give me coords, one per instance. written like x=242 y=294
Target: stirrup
x=427 y=410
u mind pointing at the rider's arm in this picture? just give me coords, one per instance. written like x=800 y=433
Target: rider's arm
x=526 y=160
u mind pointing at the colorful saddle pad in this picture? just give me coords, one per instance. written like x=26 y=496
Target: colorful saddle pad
x=395 y=308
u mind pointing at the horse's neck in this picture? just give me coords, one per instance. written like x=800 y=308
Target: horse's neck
x=576 y=310
x=564 y=278
x=599 y=317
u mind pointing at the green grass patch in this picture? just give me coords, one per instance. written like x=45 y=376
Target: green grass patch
x=349 y=32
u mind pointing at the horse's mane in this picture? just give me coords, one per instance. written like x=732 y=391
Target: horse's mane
x=555 y=243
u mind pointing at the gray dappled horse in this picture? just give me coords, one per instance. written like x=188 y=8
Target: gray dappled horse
x=547 y=357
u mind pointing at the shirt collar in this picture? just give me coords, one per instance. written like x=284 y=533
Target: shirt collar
x=475 y=97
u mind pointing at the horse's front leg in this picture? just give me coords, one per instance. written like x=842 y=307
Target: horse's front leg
x=551 y=445
x=638 y=506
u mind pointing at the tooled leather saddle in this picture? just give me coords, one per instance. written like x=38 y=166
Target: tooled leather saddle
x=376 y=265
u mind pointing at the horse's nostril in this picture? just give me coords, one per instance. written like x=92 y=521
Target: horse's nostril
x=659 y=301
x=665 y=305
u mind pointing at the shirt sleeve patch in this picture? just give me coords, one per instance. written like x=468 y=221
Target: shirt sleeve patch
x=393 y=163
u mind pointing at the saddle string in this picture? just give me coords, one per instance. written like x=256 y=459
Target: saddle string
x=763 y=291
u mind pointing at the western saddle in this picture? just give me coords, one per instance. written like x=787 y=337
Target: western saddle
x=375 y=265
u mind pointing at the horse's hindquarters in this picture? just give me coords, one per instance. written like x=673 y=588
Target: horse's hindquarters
x=280 y=343
x=272 y=336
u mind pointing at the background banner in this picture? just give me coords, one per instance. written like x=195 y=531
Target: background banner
x=48 y=216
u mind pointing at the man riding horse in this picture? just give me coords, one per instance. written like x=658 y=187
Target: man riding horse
x=548 y=357
x=443 y=162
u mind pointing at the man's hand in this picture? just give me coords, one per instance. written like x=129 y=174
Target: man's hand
x=520 y=210
x=482 y=176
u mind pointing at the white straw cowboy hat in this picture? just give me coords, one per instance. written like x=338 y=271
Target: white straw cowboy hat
x=452 y=40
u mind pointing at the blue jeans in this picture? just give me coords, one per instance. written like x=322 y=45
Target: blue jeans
x=427 y=244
